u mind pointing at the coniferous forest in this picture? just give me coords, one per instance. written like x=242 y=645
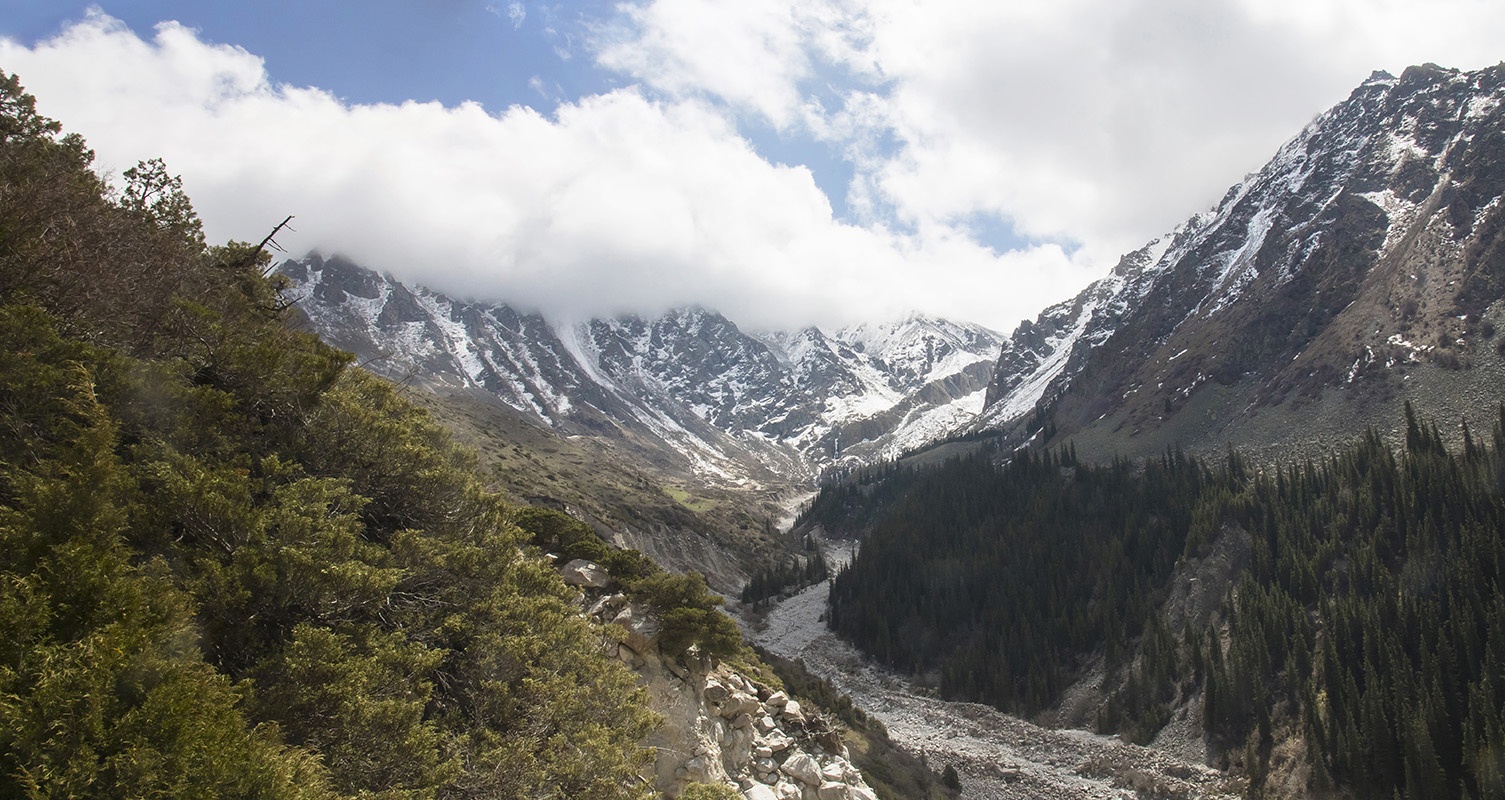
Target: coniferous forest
x=232 y=565
x=1369 y=624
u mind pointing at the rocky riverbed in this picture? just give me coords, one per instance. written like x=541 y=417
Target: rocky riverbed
x=996 y=755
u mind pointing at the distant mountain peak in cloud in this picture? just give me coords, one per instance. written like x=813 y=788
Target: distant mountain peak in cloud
x=734 y=406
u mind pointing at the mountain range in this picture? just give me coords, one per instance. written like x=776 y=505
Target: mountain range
x=1362 y=266
x=688 y=390
x=1359 y=268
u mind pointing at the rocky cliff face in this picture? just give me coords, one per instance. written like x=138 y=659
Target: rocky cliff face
x=1369 y=250
x=720 y=726
x=724 y=404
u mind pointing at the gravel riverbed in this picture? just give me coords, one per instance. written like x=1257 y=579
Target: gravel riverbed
x=996 y=755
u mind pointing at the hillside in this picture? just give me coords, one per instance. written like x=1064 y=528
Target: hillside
x=1360 y=268
x=234 y=565
x=1317 y=627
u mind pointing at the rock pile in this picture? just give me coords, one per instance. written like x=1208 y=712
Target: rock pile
x=721 y=726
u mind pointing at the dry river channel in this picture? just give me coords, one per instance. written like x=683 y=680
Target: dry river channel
x=996 y=755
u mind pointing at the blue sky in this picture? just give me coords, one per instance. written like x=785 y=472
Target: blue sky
x=785 y=161
x=496 y=53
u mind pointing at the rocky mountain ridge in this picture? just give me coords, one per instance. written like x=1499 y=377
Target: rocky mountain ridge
x=713 y=401
x=1368 y=250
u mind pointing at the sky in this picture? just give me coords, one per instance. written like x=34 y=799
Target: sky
x=786 y=162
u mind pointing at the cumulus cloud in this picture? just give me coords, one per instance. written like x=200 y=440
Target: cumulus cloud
x=1100 y=124
x=614 y=202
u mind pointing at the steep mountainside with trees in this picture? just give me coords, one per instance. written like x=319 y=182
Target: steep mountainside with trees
x=1363 y=637
x=230 y=565
x=233 y=565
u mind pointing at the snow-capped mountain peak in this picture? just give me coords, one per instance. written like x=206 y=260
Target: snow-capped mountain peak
x=730 y=404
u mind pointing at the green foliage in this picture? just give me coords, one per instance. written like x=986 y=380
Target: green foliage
x=157 y=196
x=232 y=566
x=710 y=791
x=559 y=533
x=1370 y=621
x=689 y=614
x=1002 y=578
x=791 y=575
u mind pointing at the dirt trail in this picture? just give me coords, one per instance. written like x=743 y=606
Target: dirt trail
x=997 y=756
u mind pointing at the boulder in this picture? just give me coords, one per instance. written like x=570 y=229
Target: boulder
x=777 y=700
x=716 y=693
x=778 y=742
x=585 y=573
x=759 y=792
x=629 y=656
x=793 y=713
x=607 y=606
x=832 y=790
x=738 y=704
x=833 y=772
x=642 y=629
x=766 y=724
x=788 y=791
x=804 y=768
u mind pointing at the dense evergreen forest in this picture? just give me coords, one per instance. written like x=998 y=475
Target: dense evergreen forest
x=1369 y=625
x=231 y=565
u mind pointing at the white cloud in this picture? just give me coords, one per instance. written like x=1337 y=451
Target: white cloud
x=616 y=202
x=1099 y=123
x=752 y=55
x=516 y=13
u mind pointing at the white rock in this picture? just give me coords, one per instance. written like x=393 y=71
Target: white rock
x=804 y=768
x=738 y=704
x=833 y=772
x=629 y=656
x=777 y=741
x=777 y=700
x=608 y=604
x=787 y=791
x=764 y=751
x=860 y=792
x=832 y=790
x=585 y=573
x=759 y=793
x=793 y=713
x=766 y=724
x=642 y=629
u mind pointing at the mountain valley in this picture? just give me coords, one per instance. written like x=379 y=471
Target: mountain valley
x=1229 y=521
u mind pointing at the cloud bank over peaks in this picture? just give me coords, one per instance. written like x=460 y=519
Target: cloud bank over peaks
x=1099 y=124
x=615 y=202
